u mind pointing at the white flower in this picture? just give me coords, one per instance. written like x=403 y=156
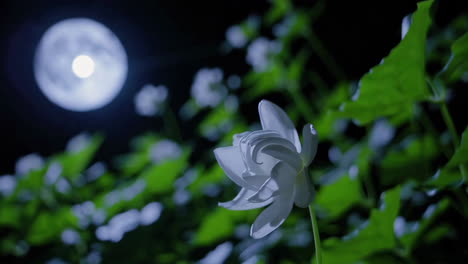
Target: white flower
x=260 y=51
x=165 y=149
x=29 y=163
x=207 y=87
x=150 y=99
x=236 y=37
x=78 y=143
x=271 y=167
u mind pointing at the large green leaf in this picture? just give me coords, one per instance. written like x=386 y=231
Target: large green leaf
x=376 y=235
x=458 y=64
x=445 y=177
x=398 y=82
x=410 y=160
x=160 y=177
x=339 y=196
x=461 y=154
x=73 y=163
x=215 y=226
x=410 y=239
x=49 y=225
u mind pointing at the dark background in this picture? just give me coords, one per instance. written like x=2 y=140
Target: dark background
x=166 y=43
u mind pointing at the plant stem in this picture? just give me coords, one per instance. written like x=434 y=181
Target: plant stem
x=325 y=56
x=302 y=104
x=315 y=230
x=453 y=133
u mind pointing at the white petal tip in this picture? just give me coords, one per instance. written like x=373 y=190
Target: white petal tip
x=312 y=129
x=225 y=204
x=258 y=234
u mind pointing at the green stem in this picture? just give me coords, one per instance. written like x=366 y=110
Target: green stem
x=302 y=104
x=453 y=133
x=315 y=230
x=325 y=56
x=450 y=125
x=171 y=124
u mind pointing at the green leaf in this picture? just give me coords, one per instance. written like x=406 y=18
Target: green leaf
x=398 y=82
x=49 y=225
x=410 y=160
x=160 y=177
x=458 y=64
x=261 y=83
x=376 y=235
x=445 y=177
x=339 y=196
x=10 y=215
x=461 y=153
x=214 y=227
x=410 y=239
x=74 y=163
x=278 y=10
x=213 y=175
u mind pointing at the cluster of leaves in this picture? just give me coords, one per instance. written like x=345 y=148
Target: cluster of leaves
x=392 y=188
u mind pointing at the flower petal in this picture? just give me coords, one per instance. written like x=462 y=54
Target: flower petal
x=309 y=148
x=304 y=190
x=284 y=154
x=238 y=137
x=240 y=202
x=230 y=159
x=265 y=192
x=273 y=216
x=273 y=117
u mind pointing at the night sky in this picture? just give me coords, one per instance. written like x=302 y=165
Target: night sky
x=166 y=43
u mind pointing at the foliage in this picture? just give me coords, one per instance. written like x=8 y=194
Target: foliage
x=392 y=188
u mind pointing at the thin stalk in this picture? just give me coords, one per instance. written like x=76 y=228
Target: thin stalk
x=302 y=104
x=453 y=132
x=325 y=56
x=315 y=231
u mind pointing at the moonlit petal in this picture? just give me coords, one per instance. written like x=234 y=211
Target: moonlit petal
x=274 y=118
x=273 y=216
x=240 y=202
x=237 y=138
x=284 y=154
x=265 y=192
x=230 y=159
x=304 y=190
x=309 y=148
x=257 y=181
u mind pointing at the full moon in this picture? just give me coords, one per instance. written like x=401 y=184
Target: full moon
x=83 y=66
x=80 y=64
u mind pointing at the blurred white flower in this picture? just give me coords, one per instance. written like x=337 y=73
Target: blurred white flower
x=150 y=213
x=236 y=36
x=218 y=255
x=28 y=163
x=53 y=173
x=118 y=226
x=78 y=142
x=234 y=82
x=231 y=103
x=207 y=87
x=260 y=51
x=62 y=186
x=382 y=133
x=56 y=261
x=70 y=237
x=150 y=99
x=95 y=171
x=165 y=149
x=405 y=25
x=7 y=185
x=282 y=28
x=271 y=167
